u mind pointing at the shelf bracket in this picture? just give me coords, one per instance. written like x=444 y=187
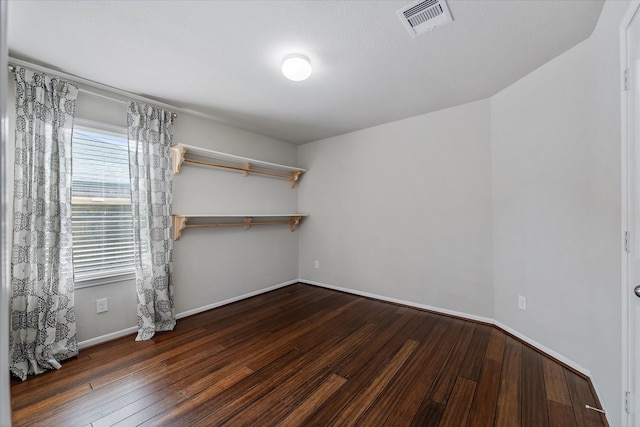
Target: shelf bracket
x=294 y=177
x=295 y=220
x=179 y=224
x=247 y=222
x=178 y=152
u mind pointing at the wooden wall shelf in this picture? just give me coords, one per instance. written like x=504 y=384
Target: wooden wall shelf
x=180 y=222
x=232 y=162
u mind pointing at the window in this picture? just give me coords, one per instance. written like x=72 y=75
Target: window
x=101 y=205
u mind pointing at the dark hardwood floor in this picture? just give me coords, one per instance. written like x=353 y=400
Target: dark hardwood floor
x=303 y=355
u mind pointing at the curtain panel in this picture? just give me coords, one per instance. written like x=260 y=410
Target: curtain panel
x=151 y=174
x=42 y=315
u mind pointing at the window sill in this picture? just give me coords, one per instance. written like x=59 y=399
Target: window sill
x=87 y=283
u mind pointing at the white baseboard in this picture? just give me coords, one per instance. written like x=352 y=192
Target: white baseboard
x=124 y=332
x=234 y=299
x=533 y=343
x=568 y=362
x=399 y=301
x=107 y=337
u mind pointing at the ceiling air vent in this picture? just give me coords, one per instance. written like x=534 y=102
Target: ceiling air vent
x=424 y=15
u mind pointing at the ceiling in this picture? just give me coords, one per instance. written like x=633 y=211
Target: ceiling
x=223 y=58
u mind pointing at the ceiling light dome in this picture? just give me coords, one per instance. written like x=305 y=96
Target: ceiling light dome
x=296 y=67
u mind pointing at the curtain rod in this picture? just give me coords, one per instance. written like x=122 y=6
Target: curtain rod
x=90 y=83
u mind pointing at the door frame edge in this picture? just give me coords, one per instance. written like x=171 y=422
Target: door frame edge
x=627 y=370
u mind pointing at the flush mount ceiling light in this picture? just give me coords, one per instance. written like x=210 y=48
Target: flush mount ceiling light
x=296 y=67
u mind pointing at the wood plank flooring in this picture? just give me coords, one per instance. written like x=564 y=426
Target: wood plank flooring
x=304 y=355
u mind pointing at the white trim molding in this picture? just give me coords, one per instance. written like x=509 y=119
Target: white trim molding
x=627 y=373
x=465 y=316
x=132 y=330
x=234 y=299
x=402 y=302
x=490 y=321
x=107 y=337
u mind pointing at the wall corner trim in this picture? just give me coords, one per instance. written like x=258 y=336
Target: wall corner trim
x=107 y=337
x=402 y=302
x=540 y=347
x=490 y=321
x=134 y=329
x=234 y=299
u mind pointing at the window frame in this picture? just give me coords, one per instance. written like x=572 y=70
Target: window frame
x=112 y=130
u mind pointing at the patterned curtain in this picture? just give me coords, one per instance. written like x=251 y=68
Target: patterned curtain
x=150 y=137
x=43 y=329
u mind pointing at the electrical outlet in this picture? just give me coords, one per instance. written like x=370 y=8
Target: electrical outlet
x=522 y=302
x=316 y=264
x=102 y=305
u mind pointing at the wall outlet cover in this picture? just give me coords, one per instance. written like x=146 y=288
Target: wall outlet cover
x=102 y=305
x=522 y=302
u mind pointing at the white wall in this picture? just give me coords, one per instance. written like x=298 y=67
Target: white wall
x=216 y=264
x=556 y=188
x=462 y=209
x=516 y=195
x=210 y=265
x=403 y=210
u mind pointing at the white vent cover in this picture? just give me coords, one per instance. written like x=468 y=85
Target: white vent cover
x=424 y=15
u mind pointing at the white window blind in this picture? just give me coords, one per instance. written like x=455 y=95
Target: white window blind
x=101 y=206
